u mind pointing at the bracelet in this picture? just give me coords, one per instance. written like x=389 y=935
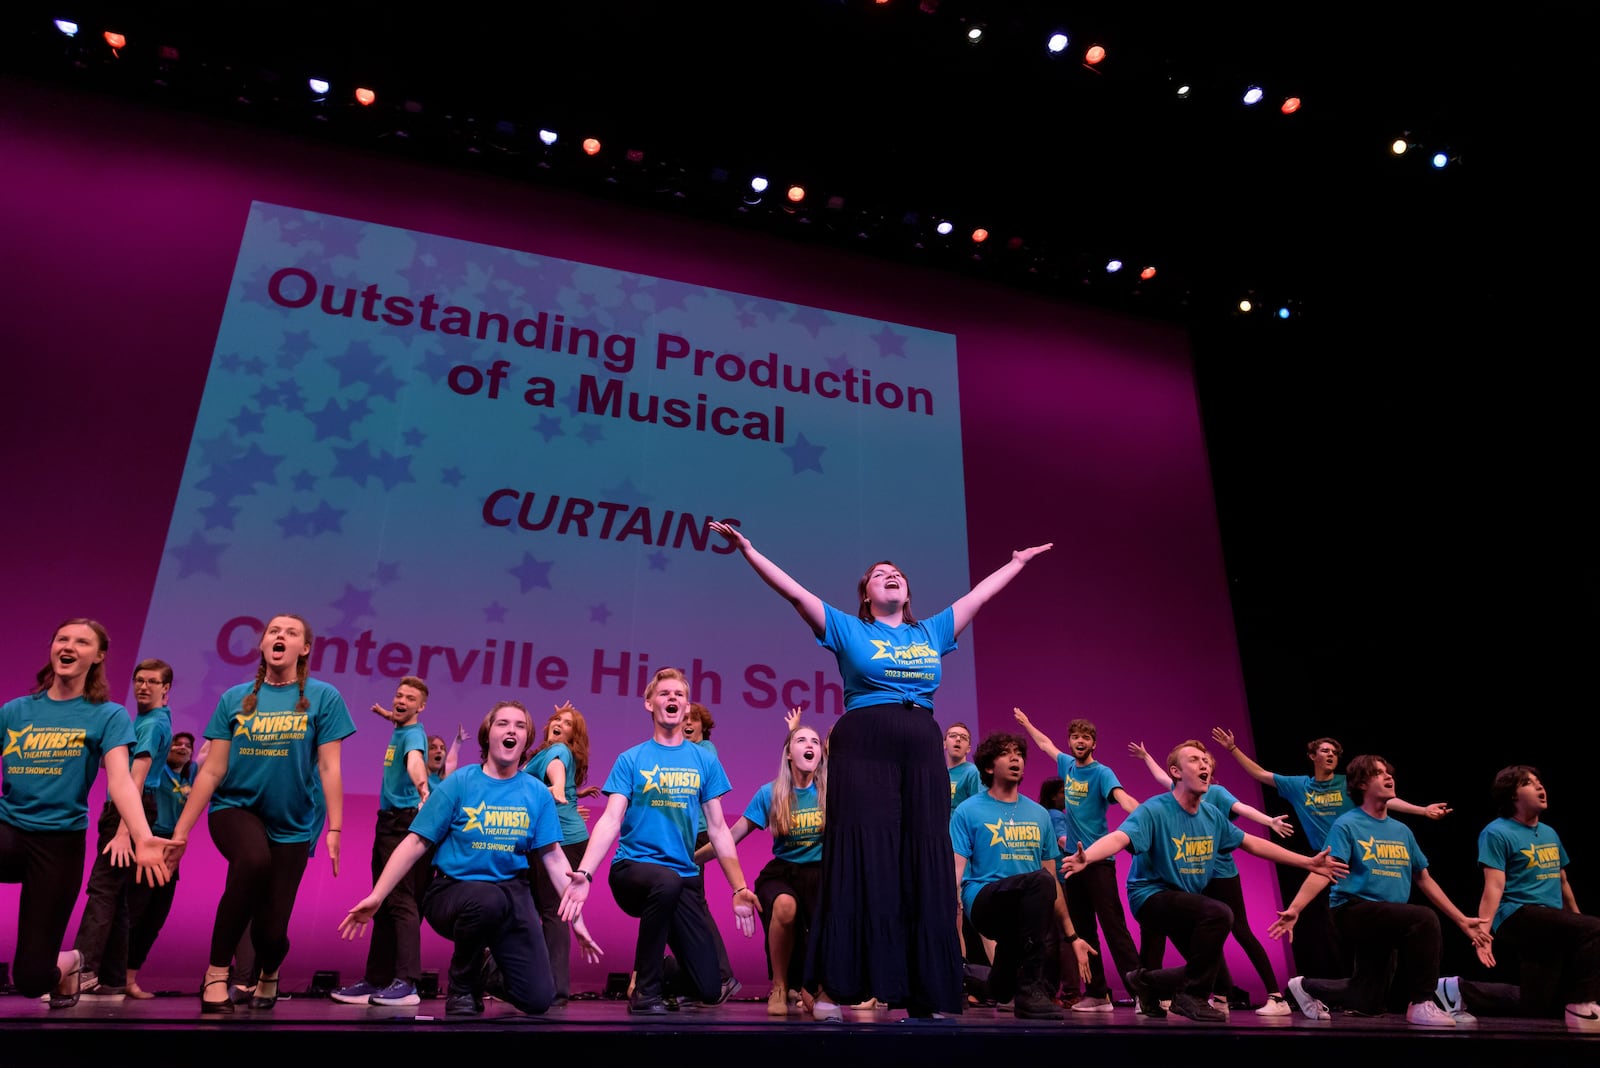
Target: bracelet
x=335 y=830
x=580 y=871
x=1071 y=937
x=739 y=891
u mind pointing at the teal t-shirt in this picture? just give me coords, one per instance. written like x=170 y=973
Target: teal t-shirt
x=172 y=793
x=484 y=827
x=573 y=830
x=1000 y=839
x=1088 y=793
x=665 y=785
x=803 y=843
x=52 y=752
x=1383 y=856
x=272 y=754
x=398 y=790
x=965 y=782
x=1174 y=850
x=1532 y=859
x=1317 y=804
x=882 y=665
x=152 y=737
x=1219 y=798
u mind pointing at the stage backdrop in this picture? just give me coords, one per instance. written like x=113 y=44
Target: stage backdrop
x=473 y=430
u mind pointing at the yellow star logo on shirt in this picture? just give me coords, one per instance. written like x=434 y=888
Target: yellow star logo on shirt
x=1532 y=854
x=1178 y=844
x=241 y=726
x=1366 y=848
x=650 y=779
x=997 y=836
x=12 y=745
x=472 y=817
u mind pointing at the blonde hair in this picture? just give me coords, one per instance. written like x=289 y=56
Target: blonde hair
x=781 y=817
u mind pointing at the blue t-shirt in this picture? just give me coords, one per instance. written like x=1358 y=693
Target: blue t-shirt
x=1531 y=857
x=884 y=665
x=965 y=782
x=1000 y=839
x=272 y=754
x=52 y=751
x=152 y=737
x=398 y=789
x=803 y=843
x=1317 y=804
x=1219 y=797
x=172 y=793
x=665 y=786
x=1383 y=856
x=1088 y=793
x=434 y=779
x=1061 y=827
x=1173 y=850
x=485 y=827
x=708 y=745
x=573 y=830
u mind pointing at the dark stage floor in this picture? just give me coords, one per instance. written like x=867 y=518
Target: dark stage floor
x=318 y=1030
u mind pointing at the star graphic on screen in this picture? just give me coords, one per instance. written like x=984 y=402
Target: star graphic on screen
x=385 y=573
x=305 y=482
x=240 y=475
x=585 y=300
x=266 y=396
x=414 y=438
x=747 y=318
x=548 y=427
x=338 y=237
x=356 y=463
x=591 y=434
x=357 y=363
x=570 y=401
x=228 y=361
x=804 y=455
x=248 y=422
x=890 y=343
x=673 y=295
x=630 y=284
x=197 y=556
x=393 y=470
x=495 y=613
x=352 y=605
x=287 y=395
x=451 y=476
x=531 y=572
x=839 y=364
x=253 y=366
x=657 y=560
x=336 y=420
x=217 y=450
x=325 y=517
x=295 y=524
x=811 y=320
x=221 y=514
x=435 y=365
x=253 y=289
x=293 y=347
x=384 y=383
x=599 y=613
x=628 y=492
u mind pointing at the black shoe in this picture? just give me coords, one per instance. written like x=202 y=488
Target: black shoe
x=463 y=1005
x=1187 y=1005
x=647 y=1006
x=1149 y=1004
x=1037 y=1007
x=1239 y=998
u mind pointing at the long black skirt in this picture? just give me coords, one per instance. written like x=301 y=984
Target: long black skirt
x=886 y=925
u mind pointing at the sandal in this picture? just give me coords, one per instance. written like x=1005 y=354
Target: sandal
x=266 y=995
x=215 y=1008
x=60 y=999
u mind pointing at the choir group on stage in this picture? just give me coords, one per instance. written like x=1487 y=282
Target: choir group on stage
x=899 y=870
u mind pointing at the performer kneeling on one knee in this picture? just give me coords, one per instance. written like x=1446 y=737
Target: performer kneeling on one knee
x=655 y=796
x=484 y=822
x=1006 y=854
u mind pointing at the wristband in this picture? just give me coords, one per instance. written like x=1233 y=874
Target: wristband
x=1073 y=937
x=586 y=875
x=335 y=830
x=739 y=891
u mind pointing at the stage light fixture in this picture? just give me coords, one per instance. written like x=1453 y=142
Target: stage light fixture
x=979 y=236
x=1184 y=91
x=945 y=228
x=758 y=184
x=1058 y=43
x=796 y=194
x=318 y=86
x=547 y=137
x=1253 y=95
x=1399 y=146
x=1283 y=313
x=1290 y=106
x=1147 y=274
x=115 y=40
x=1094 y=55
x=975 y=35
x=591 y=146
x=634 y=155
x=1113 y=266
x=1440 y=161
x=365 y=97
x=67 y=26
x=1245 y=306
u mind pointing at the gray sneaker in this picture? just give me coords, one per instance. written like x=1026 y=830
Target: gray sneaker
x=1314 y=1009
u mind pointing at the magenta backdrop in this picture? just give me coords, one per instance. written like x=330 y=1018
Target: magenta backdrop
x=120 y=234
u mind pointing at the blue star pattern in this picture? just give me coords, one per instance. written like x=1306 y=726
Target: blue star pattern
x=532 y=573
x=804 y=455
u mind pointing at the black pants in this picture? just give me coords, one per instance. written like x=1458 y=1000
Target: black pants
x=1391 y=945
x=396 y=949
x=1316 y=947
x=1016 y=912
x=557 y=932
x=671 y=910
x=103 y=927
x=724 y=965
x=48 y=864
x=1092 y=896
x=148 y=909
x=498 y=917
x=1555 y=955
x=1198 y=926
x=263 y=878
x=1230 y=892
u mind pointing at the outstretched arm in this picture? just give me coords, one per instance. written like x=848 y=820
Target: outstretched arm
x=808 y=604
x=149 y=851
x=1476 y=930
x=1284 y=924
x=1224 y=738
x=417 y=771
x=556 y=773
x=966 y=607
x=1323 y=863
x=1160 y=773
x=411 y=849
x=454 y=752
x=605 y=832
x=1280 y=826
x=1108 y=846
x=1040 y=738
x=1436 y=811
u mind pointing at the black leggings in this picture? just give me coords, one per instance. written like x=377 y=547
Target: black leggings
x=48 y=864
x=263 y=877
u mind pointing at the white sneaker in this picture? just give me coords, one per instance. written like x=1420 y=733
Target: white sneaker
x=1583 y=1016
x=1314 y=1009
x=1275 y=1006
x=1448 y=993
x=1428 y=1014
x=827 y=1012
x=1093 y=1005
